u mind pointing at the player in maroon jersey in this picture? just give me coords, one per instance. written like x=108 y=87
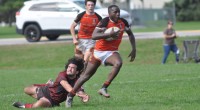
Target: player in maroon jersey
x=51 y=95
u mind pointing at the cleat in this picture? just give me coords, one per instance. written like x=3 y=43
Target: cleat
x=69 y=101
x=18 y=105
x=103 y=91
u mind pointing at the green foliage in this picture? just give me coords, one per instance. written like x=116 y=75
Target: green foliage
x=186 y=10
x=144 y=84
x=8 y=9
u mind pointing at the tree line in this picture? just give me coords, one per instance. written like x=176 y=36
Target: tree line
x=8 y=8
x=186 y=10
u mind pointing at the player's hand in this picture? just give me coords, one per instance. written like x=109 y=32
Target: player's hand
x=174 y=35
x=83 y=96
x=114 y=34
x=132 y=55
x=75 y=41
x=50 y=82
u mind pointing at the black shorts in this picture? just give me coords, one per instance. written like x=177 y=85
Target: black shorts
x=44 y=92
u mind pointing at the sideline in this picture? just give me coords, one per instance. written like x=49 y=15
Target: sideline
x=68 y=39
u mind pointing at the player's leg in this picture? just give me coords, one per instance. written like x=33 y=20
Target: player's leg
x=86 y=58
x=31 y=90
x=88 y=73
x=166 y=49
x=87 y=55
x=42 y=102
x=86 y=46
x=116 y=62
x=89 y=48
x=78 y=53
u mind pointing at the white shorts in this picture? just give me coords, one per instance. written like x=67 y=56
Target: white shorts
x=103 y=55
x=85 y=45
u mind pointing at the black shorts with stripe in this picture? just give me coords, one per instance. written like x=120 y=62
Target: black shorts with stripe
x=44 y=92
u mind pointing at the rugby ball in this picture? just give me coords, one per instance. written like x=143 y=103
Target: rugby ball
x=115 y=29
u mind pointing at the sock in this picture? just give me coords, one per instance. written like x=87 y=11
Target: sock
x=106 y=84
x=28 y=105
x=72 y=93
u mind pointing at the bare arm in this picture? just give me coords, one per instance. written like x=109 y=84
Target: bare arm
x=133 y=44
x=98 y=33
x=72 y=30
x=66 y=85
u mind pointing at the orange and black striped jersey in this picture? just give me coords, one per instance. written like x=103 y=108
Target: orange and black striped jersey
x=102 y=44
x=87 y=24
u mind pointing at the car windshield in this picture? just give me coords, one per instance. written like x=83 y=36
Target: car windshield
x=82 y=4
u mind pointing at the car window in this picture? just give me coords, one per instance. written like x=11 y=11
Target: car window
x=65 y=7
x=44 y=7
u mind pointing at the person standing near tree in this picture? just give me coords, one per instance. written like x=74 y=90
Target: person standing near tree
x=169 y=42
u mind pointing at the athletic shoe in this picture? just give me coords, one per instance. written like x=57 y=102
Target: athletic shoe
x=69 y=101
x=18 y=105
x=103 y=91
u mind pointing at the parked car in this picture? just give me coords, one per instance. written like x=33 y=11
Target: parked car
x=52 y=18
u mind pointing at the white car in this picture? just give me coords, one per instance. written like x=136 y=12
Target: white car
x=52 y=18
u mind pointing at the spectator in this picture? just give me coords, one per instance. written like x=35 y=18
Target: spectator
x=169 y=42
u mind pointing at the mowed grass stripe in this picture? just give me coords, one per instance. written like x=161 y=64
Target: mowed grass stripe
x=144 y=84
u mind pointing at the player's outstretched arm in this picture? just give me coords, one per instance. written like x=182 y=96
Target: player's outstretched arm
x=133 y=44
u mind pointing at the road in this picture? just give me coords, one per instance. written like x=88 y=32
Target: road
x=143 y=35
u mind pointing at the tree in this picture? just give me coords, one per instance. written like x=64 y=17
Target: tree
x=186 y=10
x=8 y=9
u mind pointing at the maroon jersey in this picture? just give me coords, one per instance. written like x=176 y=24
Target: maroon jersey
x=57 y=92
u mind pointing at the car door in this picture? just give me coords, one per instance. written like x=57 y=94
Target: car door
x=66 y=15
x=46 y=15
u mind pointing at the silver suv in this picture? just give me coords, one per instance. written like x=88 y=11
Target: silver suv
x=52 y=18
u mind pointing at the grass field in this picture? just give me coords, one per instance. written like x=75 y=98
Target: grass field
x=178 y=26
x=10 y=32
x=144 y=84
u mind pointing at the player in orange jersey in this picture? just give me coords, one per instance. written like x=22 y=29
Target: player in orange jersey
x=106 y=52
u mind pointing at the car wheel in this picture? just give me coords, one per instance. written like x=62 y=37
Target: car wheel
x=52 y=37
x=32 y=33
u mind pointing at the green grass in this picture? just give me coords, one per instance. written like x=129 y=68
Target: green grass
x=178 y=26
x=10 y=32
x=144 y=84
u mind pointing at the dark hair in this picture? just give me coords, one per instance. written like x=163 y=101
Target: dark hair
x=77 y=61
x=110 y=7
x=170 y=22
x=94 y=1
